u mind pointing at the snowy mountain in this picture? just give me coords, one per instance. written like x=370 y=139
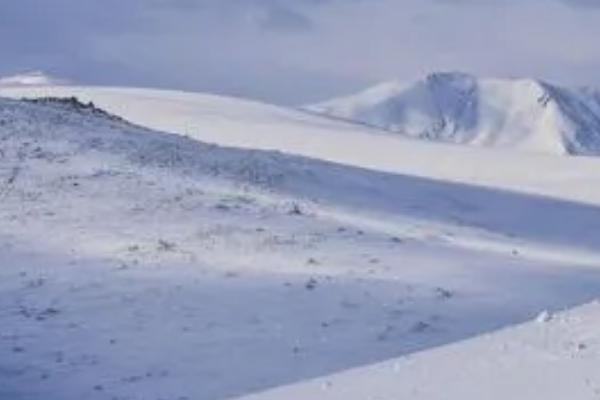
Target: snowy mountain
x=160 y=244
x=253 y=125
x=522 y=114
x=33 y=78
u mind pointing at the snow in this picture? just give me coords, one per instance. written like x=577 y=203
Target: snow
x=138 y=263
x=247 y=124
x=521 y=114
x=556 y=360
x=544 y=316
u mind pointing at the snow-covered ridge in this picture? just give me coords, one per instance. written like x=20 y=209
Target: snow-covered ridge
x=246 y=124
x=33 y=78
x=524 y=114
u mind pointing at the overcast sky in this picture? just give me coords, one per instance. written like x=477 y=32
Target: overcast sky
x=296 y=51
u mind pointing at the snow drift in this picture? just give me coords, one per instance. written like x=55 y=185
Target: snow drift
x=522 y=114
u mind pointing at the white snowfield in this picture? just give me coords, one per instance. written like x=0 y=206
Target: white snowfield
x=550 y=360
x=143 y=264
x=522 y=114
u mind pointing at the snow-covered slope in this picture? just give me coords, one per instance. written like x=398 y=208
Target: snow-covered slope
x=34 y=78
x=553 y=358
x=240 y=123
x=523 y=114
x=138 y=264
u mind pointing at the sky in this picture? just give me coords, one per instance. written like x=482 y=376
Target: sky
x=298 y=51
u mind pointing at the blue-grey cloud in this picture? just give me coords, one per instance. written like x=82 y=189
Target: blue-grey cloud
x=285 y=20
x=583 y=3
x=292 y=51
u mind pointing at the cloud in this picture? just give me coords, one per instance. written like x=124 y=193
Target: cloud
x=582 y=3
x=293 y=51
x=283 y=19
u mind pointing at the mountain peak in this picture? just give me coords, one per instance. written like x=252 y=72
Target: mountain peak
x=519 y=113
x=449 y=76
x=32 y=78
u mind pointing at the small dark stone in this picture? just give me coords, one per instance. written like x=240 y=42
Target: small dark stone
x=311 y=284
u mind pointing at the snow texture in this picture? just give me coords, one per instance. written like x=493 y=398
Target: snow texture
x=140 y=264
x=555 y=361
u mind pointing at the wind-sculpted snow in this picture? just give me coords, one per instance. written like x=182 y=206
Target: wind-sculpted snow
x=522 y=114
x=137 y=264
x=555 y=357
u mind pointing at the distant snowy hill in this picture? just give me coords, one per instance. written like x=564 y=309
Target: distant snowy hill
x=33 y=78
x=522 y=114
